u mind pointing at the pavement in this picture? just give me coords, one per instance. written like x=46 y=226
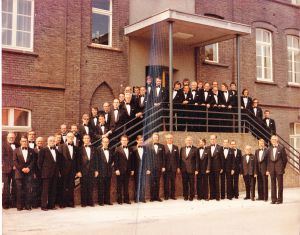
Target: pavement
x=169 y=217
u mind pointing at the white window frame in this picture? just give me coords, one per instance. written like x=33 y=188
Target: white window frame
x=296 y=2
x=14 y=29
x=293 y=50
x=10 y=126
x=262 y=44
x=215 y=47
x=107 y=13
x=293 y=140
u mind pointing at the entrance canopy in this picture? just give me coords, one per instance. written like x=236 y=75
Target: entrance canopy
x=188 y=29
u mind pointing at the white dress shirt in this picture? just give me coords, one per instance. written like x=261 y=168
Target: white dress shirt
x=247 y=158
x=88 y=152
x=106 y=154
x=141 y=152
x=170 y=146
x=156 y=148
x=70 y=147
x=25 y=153
x=53 y=153
x=225 y=153
x=260 y=153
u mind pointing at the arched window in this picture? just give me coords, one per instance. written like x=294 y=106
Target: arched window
x=264 y=70
x=293 y=47
x=16 y=119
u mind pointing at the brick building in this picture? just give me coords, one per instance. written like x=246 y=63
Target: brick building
x=61 y=57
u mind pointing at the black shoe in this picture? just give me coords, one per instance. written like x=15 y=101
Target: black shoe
x=253 y=199
x=236 y=197
x=44 y=209
x=218 y=199
x=206 y=199
x=143 y=201
x=159 y=200
x=246 y=198
x=185 y=198
x=151 y=200
x=108 y=203
x=19 y=209
x=273 y=202
x=28 y=208
x=229 y=198
x=191 y=199
x=127 y=202
x=279 y=202
x=173 y=198
x=101 y=204
x=166 y=198
x=53 y=208
x=5 y=207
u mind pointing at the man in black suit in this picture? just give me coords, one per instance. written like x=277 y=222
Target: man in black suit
x=185 y=105
x=106 y=162
x=102 y=130
x=248 y=170
x=141 y=168
x=49 y=163
x=226 y=108
x=234 y=93
x=256 y=110
x=24 y=161
x=193 y=108
x=84 y=128
x=37 y=182
x=156 y=154
x=216 y=110
x=269 y=123
x=205 y=96
x=187 y=165
x=117 y=119
x=8 y=171
x=246 y=100
x=31 y=139
x=159 y=93
x=141 y=100
x=277 y=160
x=171 y=166
x=93 y=122
x=58 y=140
x=105 y=112
x=177 y=100
x=63 y=133
x=228 y=171
x=124 y=168
x=88 y=170
x=149 y=90
x=216 y=167
x=237 y=153
x=203 y=168
x=261 y=168
x=69 y=154
x=77 y=140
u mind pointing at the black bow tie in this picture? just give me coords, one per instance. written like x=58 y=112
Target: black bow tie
x=213 y=145
x=86 y=146
x=64 y=134
x=116 y=109
x=105 y=149
x=261 y=149
x=102 y=125
x=155 y=144
x=194 y=90
x=157 y=86
x=52 y=148
x=127 y=103
x=140 y=147
x=31 y=142
x=124 y=147
x=225 y=148
x=24 y=148
x=142 y=96
x=84 y=124
x=201 y=148
x=71 y=144
x=12 y=144
x=188 y=147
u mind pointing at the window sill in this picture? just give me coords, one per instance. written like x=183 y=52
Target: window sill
x=266 y=82
x=290 y=84
x=103 y=47
x=21 y=52
x=205 y=62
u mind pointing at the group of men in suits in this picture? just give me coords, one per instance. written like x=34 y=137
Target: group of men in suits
x=27 y=167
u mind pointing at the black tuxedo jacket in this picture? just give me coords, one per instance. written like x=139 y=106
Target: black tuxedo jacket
x=68 y=162
x=171 y=158
x=219 y=100
x=122 y=163
x=119 y=121
x=230 y=99
x=85 y=165
x=229 y=161
x=106 y=116
x=7 y=157
x=188 y=163
x=261 y=165
x=131 y=115
x=141 y=163
x=82 y=131
x=202 y=97
x=99 y=132
x=195 y=97
x=157 y=160
x=237 y=160
x=276 y=165
x=162 y=96
x=187 y=97
x=141 y=104
x=216 y=158
x=105 y=167
x=248 y=104
x=250 y=167
x=92 y=122
x=19 y=162
x=203 y=161
x=47 y=165
x=259 y=113
x=178 y=99
x=272 y=125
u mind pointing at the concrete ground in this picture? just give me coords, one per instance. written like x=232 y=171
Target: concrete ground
x=170 y=217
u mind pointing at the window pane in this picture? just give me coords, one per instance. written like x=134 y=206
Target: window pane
x=266 y=36
x=258 y=50
x=6 y=37
x=297 y=56
x=20 y=118
x=258 y=35
x=101 y=29
x=267 y=73
x=267 y=51
x=258 y=60
x=297 y=77
x=24 y=7
x=289 y=41
x=290 y=75
x=102 y=4
x=23 y=39
x=259 y=72
x=24 y=23
x=267 y=62
x=7 y=5
x=5 y=117
x=7 y=20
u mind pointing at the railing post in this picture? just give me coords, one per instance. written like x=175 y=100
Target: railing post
x=171 y=74
x=238 y=82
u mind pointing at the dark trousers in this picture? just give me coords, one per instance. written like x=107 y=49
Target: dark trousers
x=24 y=192
x=226 y=179
x=86 y=189
x=9 y=190
x=140 y=183
x=36 y=191
x=68 y=182
x=250 y=186
x=277 y=178
x=214 y=184
x=169 y=184
x=122 y=188
x=262 y=186
x=104 y=190
x=154 y=186
x=49 y=192
x=188 y=185
x=235 y=186
x=202 y=186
